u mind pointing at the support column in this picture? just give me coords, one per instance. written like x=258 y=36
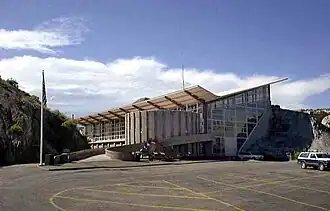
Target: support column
x=189 y=123
x=205 y=117
x=197 y=149
x=132 y=127
x=190 y=148
x=127 y=129
x=137 y=127
x=144 y=121
x=151 y=125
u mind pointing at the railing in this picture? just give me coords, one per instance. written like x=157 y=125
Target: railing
x=91 y=141
x=106 y=138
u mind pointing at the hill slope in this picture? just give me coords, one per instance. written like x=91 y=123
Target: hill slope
x=20 y=127
x=320 y=119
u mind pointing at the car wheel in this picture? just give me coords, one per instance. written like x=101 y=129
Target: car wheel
x=321 y=167
x=303 y=165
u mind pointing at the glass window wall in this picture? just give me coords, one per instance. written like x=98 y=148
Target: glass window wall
x=112 y=130
x=236 y=116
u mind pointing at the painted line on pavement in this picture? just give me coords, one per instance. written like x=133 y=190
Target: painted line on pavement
x=151 y=187
x=289 y=185
x=144 y=194
x=57 y=195
x=208 y=197
x=130 y=204
x=262 y=192
x=268 y=183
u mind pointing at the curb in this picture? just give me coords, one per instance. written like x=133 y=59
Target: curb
x=120 y=167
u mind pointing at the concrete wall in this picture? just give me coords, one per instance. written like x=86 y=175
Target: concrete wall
x=160 y=124
x=115 y=155
x=188 y=139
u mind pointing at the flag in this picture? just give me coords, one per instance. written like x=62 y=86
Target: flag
x=44 y=96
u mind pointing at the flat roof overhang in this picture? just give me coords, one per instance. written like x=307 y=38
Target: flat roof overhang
x=181 y=98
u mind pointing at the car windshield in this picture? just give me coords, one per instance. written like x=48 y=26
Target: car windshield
x=323 y=155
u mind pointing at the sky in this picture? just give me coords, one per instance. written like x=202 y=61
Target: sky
x=102 y=55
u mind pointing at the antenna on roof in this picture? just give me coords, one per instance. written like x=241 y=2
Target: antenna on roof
x=182 y=71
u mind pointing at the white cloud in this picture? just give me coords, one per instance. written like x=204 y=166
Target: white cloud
x=45 y=37
x=88 y=86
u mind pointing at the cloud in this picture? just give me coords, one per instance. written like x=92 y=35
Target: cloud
x=46 y=37
x=83 y=86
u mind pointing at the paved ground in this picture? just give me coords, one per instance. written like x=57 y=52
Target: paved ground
x=102 y=157
x=111 y=164
x=204 y=186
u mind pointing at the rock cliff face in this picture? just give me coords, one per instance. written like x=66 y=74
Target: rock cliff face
x=20 y=127
x=320 y=120
x=295 y=131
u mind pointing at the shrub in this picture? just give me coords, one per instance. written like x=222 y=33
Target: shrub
x=3 y=84
x=31 y=99
x=295 y=155
x=16 y=128
x=34 y=98
x=69 y=124
x=59 y=114
x=12 y=82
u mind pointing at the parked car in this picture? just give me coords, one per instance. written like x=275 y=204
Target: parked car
x=317 y=160
x=250 y=156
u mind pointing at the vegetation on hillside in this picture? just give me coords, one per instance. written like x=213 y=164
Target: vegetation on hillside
x=20 y=127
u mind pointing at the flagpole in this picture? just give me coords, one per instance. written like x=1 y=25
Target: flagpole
x=41 y=117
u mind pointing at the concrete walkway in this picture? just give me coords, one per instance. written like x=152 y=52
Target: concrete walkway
x=95 y=158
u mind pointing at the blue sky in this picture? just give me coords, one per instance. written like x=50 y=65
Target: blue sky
x=243 y=38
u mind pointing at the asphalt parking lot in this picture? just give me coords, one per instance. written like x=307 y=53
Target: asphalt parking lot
x=205 y=186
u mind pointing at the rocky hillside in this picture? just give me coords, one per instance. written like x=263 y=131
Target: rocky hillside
x=320 y=120
x=294 y=131
x=20 y=127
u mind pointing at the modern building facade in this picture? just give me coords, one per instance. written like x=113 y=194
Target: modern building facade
x=193 y=120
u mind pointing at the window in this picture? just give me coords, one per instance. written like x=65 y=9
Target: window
x=240 y=142
x=304 y=155
x=313 y=156
x=239 y=99
x=229 y=132
x=219 y=103
x=231 y=101
x=218 y=146
x=217 y=114
x=322 y=155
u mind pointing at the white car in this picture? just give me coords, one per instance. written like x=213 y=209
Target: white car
x=250 y=156
x=318 y=160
